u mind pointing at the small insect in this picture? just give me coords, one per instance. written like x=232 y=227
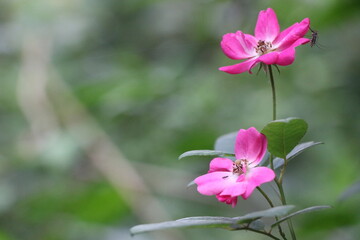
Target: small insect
x=314 y=37
x=225 y=177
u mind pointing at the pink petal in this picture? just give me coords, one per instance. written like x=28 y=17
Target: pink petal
x=251 y=145
x=240 y=67
x=255 y=177
x=287 y=56
x=234 y=190
x=291 y=34
x=269 y=58
x=238 y=45
x=299 y=42
x=227 y=200
x=284 y=33
x=214 y=183
x=221 y=165
x=267 y=26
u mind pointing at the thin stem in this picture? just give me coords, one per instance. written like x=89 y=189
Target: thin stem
x=264 y=233
x=265 y=196
x=272 y=205
x=279 y=181
x=283 y=170
x=283 y=201
x=273 y=91
x=292 y=231
x=272 y=82
x=281 y=191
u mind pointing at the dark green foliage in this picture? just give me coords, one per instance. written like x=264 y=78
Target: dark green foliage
x=227 y=223
x=283 y=135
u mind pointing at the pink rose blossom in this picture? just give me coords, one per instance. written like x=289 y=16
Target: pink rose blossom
x=229 y=179
x=268 y=46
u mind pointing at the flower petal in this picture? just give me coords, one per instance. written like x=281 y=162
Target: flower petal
x=227 y=200
x=240 y=67
x=238 y=45
x=221 y=165
x=267 y=26
x=255 y=177
x=290 y=35
x=250 y=145
x=269 y=58
x=299 y=42
x=284 y=34
x=214 y=183
x=287 y=56
x=234 y=190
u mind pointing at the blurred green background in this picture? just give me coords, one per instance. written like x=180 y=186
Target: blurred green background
x=99 y=98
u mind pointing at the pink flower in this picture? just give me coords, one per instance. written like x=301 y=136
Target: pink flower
x=268 y=46
x=229 y=179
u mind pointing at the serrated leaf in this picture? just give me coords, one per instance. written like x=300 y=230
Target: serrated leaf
x=271 y=212
x=283 y=135
x=278 y=162
x=204 y=153
x=215 y=222
x=226 y=143
x=305 y=210
x=351 y=191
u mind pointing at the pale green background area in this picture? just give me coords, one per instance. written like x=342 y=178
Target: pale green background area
x=99 y=98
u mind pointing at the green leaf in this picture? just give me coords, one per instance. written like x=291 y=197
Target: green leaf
x=351 y=191
x=226 y=143
x=271 y=212
x=305 y=210
x=257 y=225
x=216 y=222
x=203 y=218
x=212 y=222
x=278 y=162
x=204 y=153
x=283 y=135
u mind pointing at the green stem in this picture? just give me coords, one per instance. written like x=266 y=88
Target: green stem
x=283 y=170
x=279 y=182
x=264 y=233
x=265 y=196
x=283 y=201
x=272 y=82
x=282 y=234
x=273 y=91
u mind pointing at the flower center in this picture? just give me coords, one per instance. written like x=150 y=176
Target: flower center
x=240 y=166
x=263 y=47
